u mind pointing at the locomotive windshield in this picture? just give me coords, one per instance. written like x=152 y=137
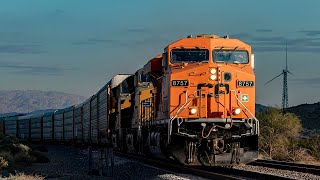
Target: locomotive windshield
x=231 y=56
x=189 y=55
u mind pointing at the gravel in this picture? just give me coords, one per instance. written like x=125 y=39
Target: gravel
x=277 y=172
x=72 y=163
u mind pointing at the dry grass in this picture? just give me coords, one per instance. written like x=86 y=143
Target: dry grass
x=22 y=176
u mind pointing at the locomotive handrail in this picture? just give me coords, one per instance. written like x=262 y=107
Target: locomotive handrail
x=179 y=111
x=253 y=116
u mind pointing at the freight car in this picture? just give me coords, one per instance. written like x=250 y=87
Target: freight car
x=47 y=126
x=11 y=126
x=36 y=128
x=194 y=103
x=24 y=127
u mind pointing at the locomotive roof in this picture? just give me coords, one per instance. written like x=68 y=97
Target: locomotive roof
x=208 y=40
x=153 y=65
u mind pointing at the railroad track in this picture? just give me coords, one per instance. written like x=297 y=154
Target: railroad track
x=306 y=168
x=202 y=171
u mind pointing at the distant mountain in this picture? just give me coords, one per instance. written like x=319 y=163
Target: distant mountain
x=309 y=114
x=260 y=107
x=34 y=100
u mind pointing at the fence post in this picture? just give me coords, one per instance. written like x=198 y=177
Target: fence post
x=90 y=160
x=109 y=161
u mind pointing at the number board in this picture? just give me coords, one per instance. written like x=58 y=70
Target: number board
x=180 y=83
x=245 y=83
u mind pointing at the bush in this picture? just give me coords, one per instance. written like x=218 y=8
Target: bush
x=300 y=154
x=9 y=140
x=313 y=144
x=277 y=130
x=8 y=157
x=3 y=163
x=23 y=148
x=15 y=152
x=11 y=145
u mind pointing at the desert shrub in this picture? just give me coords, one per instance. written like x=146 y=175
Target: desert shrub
x=3 y=163
x=9 y=140
x=8 y=157
x=11 y=151
x=22 y=176
x=10 y=144
x=277 y=129
x=313 y=144
x=300 y=154
x=23 y=148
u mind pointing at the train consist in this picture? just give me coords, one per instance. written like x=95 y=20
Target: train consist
x=195 y=103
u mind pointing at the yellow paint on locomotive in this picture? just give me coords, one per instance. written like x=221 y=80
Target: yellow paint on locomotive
x=126 y=103
x=146 y=104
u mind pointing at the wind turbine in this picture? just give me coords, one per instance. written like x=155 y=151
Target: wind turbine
x=285 y=72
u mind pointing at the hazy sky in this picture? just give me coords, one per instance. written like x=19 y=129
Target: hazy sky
x=76 y=46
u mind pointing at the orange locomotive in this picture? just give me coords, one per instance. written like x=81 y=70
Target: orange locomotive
x=195 y=103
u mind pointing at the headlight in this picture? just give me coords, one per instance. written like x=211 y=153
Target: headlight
x=237 y=111
x=213 y=71
x=193 y=111
x=213 y=77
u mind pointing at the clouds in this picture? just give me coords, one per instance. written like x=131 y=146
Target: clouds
x=21 y=48
x=311 y=33
x=302 y=41
x=34 y=69
x=125 y=37
x=312 y=81
x=137 y=30
x=17 y=43
x=95 y=41
x=264 y=30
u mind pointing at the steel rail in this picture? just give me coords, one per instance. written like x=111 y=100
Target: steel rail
x=306 y=168
x=202 y=171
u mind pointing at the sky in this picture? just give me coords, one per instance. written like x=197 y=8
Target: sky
x=76 y=46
